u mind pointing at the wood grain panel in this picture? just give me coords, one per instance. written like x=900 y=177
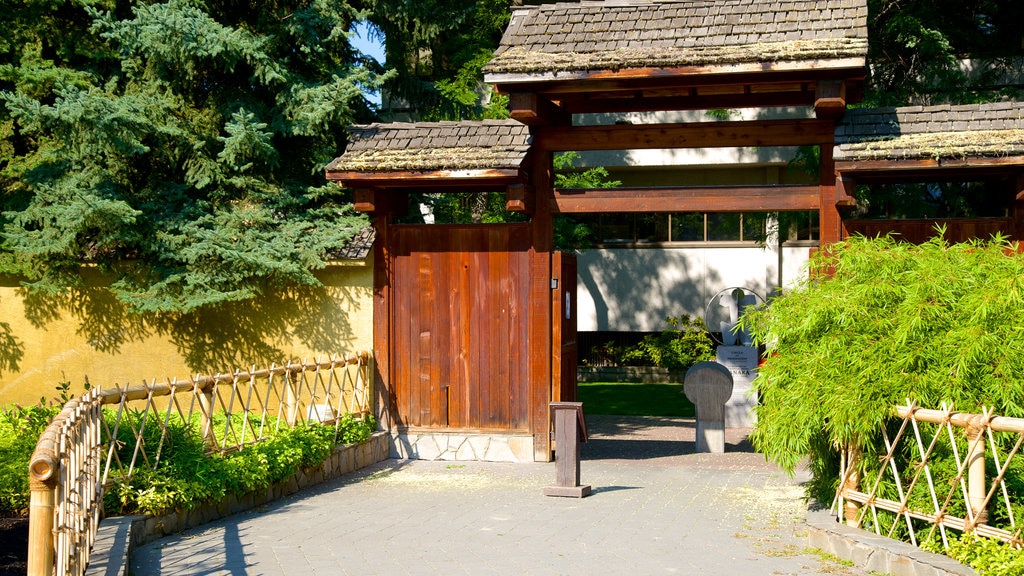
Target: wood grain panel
x=460 y=332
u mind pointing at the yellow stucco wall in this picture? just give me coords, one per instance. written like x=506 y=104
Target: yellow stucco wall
x=44 y=341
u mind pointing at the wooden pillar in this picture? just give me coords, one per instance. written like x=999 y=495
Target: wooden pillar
x=384 y=403
x=1017 y=208
x=539 y=356
x=830 y=222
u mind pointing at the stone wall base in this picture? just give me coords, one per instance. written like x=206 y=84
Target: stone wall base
x=877 y=553
x=457 y=446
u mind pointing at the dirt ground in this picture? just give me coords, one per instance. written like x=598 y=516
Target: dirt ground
x=13 y=545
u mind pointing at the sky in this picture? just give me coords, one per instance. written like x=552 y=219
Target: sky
x=361 y=41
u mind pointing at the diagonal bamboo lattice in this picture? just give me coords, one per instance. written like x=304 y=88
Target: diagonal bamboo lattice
x=106 y=435
x=914 y=488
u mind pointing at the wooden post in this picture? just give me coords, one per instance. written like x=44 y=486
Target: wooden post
x=205 y=396
x=539 y=347
x=291 y=399
x=829 y=221
x=570 y=431
x=976 y=471
x=42 y=483
x=385 y=402
x=851 y=511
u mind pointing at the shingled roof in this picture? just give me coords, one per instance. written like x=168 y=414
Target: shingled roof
x=916 y=132
x=434 y=146
x=613 y=35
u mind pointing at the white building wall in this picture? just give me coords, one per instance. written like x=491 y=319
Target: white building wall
x=634 y=290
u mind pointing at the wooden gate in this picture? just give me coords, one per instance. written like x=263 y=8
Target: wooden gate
x=459 y=326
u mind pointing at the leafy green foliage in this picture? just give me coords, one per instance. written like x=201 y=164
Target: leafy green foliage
x=187 y=475
x=677 y=348
x=177 y=145
x=986 y=556
x=437 y=49
x=880 y=322
x=916 y=47
x=570 y=234
x=19 y=429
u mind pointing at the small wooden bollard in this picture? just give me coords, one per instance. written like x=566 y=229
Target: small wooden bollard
x=709 y=385
x=570 y=431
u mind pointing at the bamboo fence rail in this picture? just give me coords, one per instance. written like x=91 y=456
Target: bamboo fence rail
x=909 y=493
x=75 y=458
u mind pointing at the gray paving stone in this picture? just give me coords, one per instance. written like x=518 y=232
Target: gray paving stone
x=657 y=508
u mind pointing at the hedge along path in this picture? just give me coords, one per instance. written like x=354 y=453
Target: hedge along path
x=68 y=471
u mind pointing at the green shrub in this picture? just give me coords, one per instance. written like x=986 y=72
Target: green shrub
x=19 y=429
x=987 y=556
x=677 y=348
x=879 y=322
x=185 y=475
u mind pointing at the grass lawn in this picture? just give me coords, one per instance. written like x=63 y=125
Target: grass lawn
x=629 y=399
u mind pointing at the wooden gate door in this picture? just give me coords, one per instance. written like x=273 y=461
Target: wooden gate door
x=459 y=326
x=564 y=343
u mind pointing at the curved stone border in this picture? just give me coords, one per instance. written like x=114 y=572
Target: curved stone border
x=117 y=536
x=877 y=553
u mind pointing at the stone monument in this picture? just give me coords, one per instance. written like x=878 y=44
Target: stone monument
x=736 y=352
x=709 y=385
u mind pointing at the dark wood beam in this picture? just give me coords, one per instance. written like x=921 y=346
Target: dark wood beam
x=567 y=82
x=830 y=99
x=687 y=199
x=374 y=201
x=687 y=99
x=790 y=132
x=519 y=198
x=845 y=188
x=456 y=180
x=534 y=110
x=928 y=169
x=364 y=200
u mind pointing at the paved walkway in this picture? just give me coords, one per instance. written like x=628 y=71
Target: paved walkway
x=656 y=508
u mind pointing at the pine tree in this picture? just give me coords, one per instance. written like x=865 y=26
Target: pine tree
x=179 y=146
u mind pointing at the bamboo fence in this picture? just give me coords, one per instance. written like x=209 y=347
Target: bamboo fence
x=75 y=459
x=908 y=493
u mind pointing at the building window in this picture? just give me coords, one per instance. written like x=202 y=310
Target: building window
x=632 y=230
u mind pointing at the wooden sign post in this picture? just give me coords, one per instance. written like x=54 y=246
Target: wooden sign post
x=570 y=431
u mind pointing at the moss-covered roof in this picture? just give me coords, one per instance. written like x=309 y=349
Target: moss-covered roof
x=591 y=36
x=434 y=146
x=945 y=131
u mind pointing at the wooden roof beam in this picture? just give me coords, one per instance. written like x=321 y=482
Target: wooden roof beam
x=454 y=180
x=927 y=169
x=788 y=132
x=830 y=99
x=649 y=78
x=687 y=199
x=374 y=201
x=519 y=198
x=534 y=110
x=686 y=100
